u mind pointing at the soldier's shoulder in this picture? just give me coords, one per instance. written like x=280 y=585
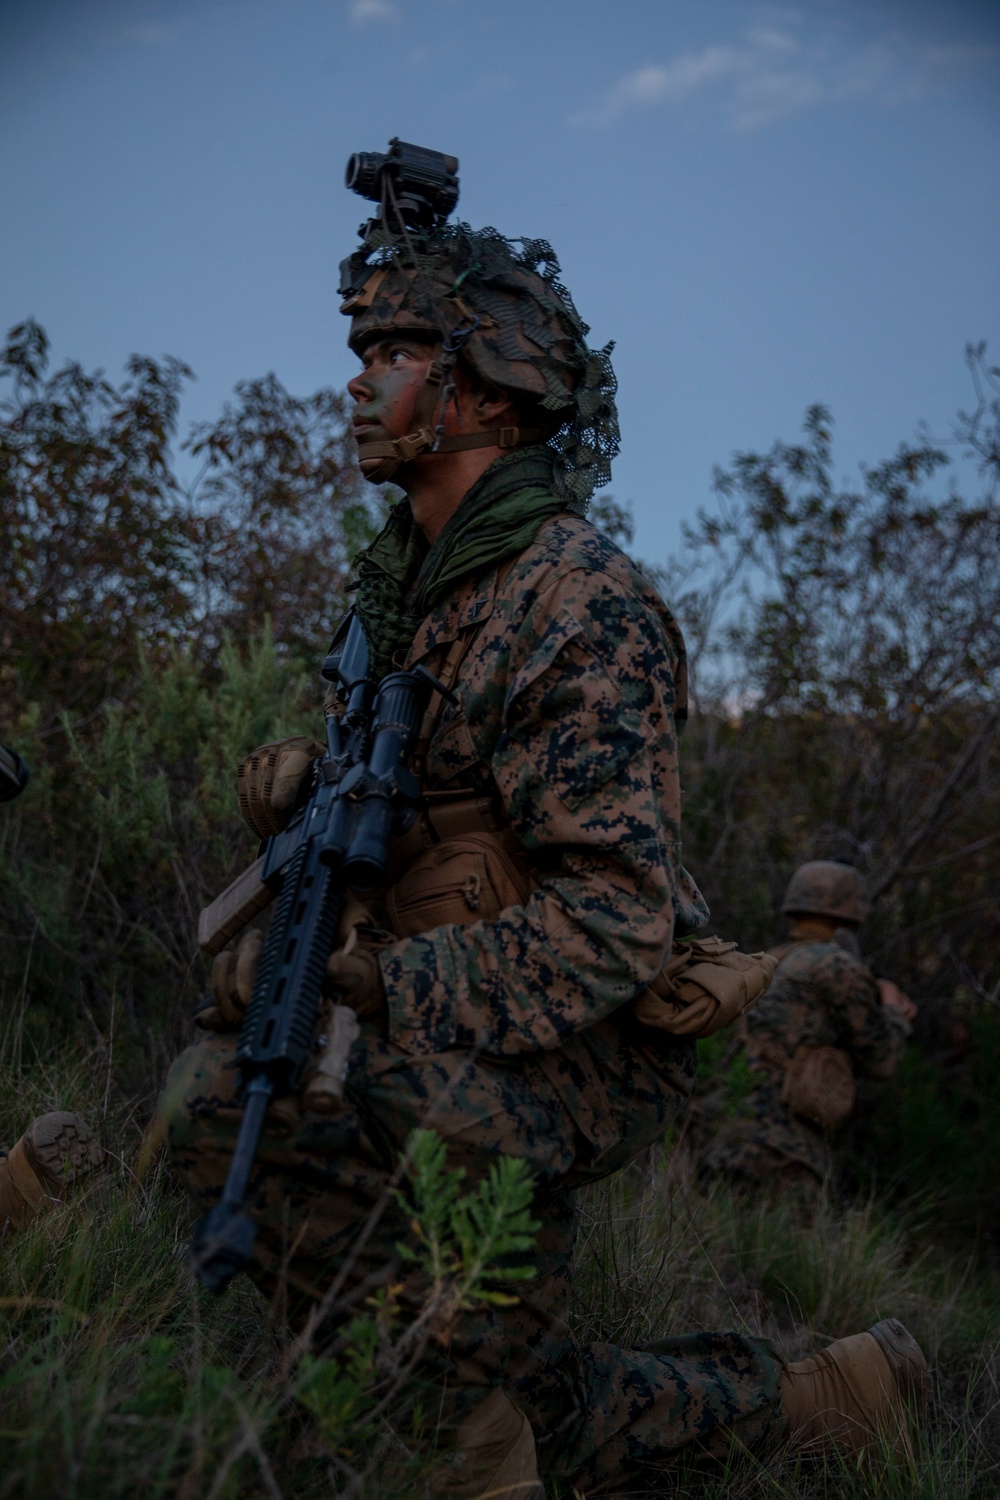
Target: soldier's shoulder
x=823 y=959
x=574 y=565
x=566 y=542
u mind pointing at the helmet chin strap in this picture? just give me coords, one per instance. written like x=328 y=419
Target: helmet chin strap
x=379 y=459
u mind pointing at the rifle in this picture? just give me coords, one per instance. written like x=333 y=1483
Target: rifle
x=13 y=774
x=362 y=793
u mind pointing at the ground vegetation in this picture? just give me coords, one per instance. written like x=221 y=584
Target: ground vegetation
x=163 y=605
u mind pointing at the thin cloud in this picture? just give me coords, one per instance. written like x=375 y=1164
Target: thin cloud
x=767 y=97
x=379 y=11
x=774 y=73
x=669 y=84
x=149 y=34
x=769 y=38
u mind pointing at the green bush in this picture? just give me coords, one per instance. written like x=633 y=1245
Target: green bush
x=934 y=1130
x=119 y=841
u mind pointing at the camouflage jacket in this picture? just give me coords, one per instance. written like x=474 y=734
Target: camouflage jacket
x=568 y=701
x=823 y=996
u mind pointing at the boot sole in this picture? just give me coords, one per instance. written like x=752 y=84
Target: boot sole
x=60 y=1148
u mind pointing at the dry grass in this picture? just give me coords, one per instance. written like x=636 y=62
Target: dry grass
x=659 y=1254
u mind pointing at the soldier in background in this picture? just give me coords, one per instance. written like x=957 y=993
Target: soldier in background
x=824 y=1020
x=58 y=1148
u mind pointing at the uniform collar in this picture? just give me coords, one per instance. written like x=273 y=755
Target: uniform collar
x=469 y=605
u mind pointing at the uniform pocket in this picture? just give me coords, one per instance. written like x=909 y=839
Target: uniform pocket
x=451 y=750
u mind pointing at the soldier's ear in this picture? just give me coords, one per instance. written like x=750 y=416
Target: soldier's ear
x=491 y=403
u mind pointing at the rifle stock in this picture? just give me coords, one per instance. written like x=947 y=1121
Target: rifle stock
x=237 y=905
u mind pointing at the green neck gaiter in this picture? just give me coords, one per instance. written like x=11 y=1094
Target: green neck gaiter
x=401 y=578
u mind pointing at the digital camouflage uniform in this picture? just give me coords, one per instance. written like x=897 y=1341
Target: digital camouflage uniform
x=514 y=1035
x=822 y=995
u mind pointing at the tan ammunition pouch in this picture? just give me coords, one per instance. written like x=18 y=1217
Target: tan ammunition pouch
x=469 y=878
x=819 y=1087
x=704 y=985
x=457 y=863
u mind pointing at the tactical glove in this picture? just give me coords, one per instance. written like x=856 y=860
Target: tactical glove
x=269 y=781
x=233 y=975
x=352 y=970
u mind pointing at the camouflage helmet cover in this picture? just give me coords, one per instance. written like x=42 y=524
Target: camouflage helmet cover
x=526 y=338
x=825 y=888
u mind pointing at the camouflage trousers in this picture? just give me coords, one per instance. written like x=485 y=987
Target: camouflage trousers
x=602 y=1415
x=761 y=1143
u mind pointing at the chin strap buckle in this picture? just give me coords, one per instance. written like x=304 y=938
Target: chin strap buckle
x=414 y=443
x=507 y=437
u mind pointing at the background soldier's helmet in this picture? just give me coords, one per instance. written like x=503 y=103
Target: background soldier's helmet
x=517 y=327
x=824 y=888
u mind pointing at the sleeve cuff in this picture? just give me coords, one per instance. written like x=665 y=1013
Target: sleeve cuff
x=421 y=992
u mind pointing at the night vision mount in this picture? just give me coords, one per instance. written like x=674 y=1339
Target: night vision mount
x=416 y=189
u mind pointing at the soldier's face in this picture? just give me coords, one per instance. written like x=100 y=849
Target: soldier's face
x=386 y=391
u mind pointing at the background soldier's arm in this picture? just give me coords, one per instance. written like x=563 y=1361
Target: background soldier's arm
x=873 y=1036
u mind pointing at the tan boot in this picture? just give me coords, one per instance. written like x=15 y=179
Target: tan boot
x=861 y=1389
x=52 y=1153
x=494 y=1456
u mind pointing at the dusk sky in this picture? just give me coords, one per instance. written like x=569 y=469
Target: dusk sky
x=764 y=206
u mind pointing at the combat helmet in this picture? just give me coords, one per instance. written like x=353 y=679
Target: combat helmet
x=497 y=303
x=826 y=888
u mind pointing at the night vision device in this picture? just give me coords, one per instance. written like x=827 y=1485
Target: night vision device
x=421 y=185
x=416 y=189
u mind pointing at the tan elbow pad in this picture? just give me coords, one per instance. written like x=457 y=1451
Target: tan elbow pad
x=704 y=985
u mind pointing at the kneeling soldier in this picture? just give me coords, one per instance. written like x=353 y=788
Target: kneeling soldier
x=518 y=1004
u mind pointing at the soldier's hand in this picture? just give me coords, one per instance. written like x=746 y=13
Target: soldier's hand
x=269 y=781
x=353 y=972
x=893 y=998
x=233 y=975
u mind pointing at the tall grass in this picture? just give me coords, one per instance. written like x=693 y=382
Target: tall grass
x=118 y=1373
x=659 y=1254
